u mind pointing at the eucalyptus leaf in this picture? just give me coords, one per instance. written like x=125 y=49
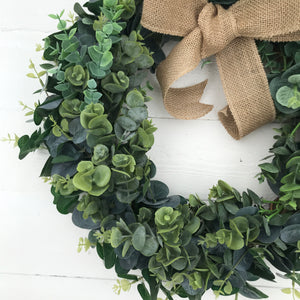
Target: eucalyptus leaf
x=109 y=256
x=269 y=238
x=294 y=219
x=51 y=103
x=139 y=238
x=78 y=220
x=290 y=234
x=150 y=247
x=251 y=292
x=79 y=133
x=158 y=190
x=127 y=123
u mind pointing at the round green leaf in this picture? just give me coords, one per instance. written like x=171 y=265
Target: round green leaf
x=290 y=234
x=102 y=175
x=116 y=237
x=139 y=238
x=135 y=99
x=127 y=123
x=294 y=79
x=150 y=247
x=133 y=49
x=107 y=58
x=293 y=162
x=283 y=95
x=138 y=114
x=144 y=61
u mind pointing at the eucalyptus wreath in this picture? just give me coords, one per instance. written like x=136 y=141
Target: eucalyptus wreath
x=94 y=123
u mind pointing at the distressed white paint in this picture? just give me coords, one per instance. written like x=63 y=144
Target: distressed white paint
x=38 y=256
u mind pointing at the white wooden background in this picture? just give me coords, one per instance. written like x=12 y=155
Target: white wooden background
x=38 y=253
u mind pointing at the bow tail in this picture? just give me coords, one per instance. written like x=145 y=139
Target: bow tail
x=183 y=103
x=246 y=87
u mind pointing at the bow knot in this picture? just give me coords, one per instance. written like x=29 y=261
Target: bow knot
x=218 y=28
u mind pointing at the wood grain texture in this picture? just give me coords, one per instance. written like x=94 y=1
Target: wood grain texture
x=38 y=254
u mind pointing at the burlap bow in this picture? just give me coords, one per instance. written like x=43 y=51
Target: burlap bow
x=209 y=29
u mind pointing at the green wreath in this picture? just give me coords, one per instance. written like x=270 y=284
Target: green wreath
x=94 y=123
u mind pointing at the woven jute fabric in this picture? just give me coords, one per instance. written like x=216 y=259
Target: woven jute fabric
x=209 y=29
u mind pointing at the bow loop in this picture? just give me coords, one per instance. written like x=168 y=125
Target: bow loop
x=218 y=28
x=276 y=20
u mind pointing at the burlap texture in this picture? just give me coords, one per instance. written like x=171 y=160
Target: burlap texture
x=209 y=29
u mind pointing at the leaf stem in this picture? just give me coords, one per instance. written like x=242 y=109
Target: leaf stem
x=293 y=289
x=284 y=63
x=295 y=129
x=166 y=292
x=232 y=270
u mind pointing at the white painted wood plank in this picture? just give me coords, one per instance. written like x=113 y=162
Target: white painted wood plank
x=32 y=15
x=192 y=156
x=41 y=287
x=45 y=287
x=36 y=239
x=16 y=49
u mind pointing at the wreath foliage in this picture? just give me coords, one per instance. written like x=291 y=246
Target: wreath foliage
x=94 y=123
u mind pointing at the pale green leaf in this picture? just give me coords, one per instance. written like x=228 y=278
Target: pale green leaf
x=286 y=291
x=31 y=75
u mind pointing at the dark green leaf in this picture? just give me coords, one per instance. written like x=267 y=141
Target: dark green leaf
x=269 y=168
x=100 y=251
x=127 y=123
x=294 y=219
x=109 y=256
x=249 y=210
x=290 y=234
x=78 y=132
x=154 y=286
x=158 y=190
x=268 y=239
x=78 y=220
x=251 y=292
x=281 y=151
x=143 y=292
x=231 y=207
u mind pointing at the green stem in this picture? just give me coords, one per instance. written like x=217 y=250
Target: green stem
x=284 y=63
x=278 y=210
x=296 y=173
x=37 y=74
x=64 y=133
x=296 y=128
x=206 y=281
x=236 y=296
x=40 y=80
x=59 y=19
x=293 y=288
x=166 y=292
x=266 y=201
x=232 y=270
